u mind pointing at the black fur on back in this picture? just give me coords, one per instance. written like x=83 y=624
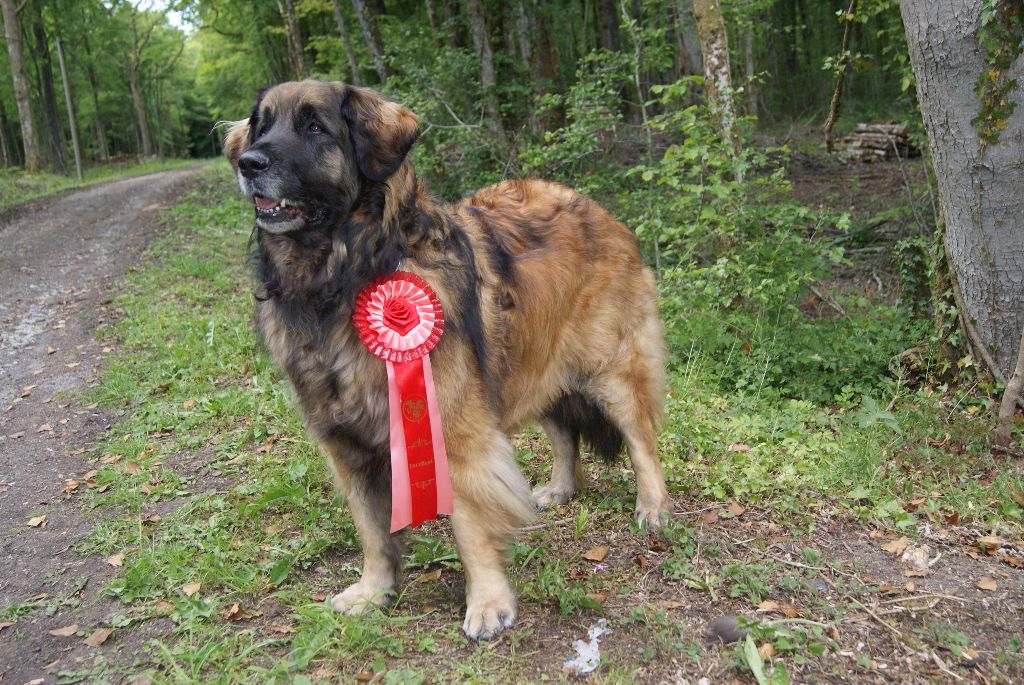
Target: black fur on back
x=586 y=420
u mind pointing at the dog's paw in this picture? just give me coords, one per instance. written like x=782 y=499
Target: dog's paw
x=652 y=517
x=550 y=495
x=358 y=598
x=486 y=620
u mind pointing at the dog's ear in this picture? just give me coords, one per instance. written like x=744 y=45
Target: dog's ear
x=382 y=131
x=234 y=141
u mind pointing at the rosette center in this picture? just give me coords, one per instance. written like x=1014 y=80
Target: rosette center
x=400 y=315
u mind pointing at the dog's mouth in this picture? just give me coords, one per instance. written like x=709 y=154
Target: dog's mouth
x=277 y=210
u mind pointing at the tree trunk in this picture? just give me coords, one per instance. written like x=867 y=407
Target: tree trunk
x=524 y=38
x=691 y=60
x=296 y=49
x=368 y=24
x=94 y=86
x=140 y=112
x=343 y=32
x=981 y=189
x=749 y=89
x=5 y=146
x=12 y=34
x=54 y=128
x=482 y=43
x=71 y=110
x=435 y=29
x=610 y=26
x=714 y=44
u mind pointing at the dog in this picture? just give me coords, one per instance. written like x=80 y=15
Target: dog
x=550 y=316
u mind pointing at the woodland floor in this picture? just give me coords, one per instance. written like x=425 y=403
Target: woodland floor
x=840 y=599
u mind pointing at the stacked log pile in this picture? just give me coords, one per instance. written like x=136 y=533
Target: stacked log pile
x=876 y=142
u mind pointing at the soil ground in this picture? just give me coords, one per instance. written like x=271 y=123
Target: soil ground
x=61 y=261
x=884 y=619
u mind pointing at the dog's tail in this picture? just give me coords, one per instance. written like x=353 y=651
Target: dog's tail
x=587 y=420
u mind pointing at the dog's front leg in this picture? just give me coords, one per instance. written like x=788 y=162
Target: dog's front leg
x=492 y=501
x=369 y=498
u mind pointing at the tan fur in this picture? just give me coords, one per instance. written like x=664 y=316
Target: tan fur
x=566 y=307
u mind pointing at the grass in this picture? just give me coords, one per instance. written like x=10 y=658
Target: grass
x=17 y=187
x=230 y=529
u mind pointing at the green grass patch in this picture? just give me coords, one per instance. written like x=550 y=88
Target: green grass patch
x=216 y=498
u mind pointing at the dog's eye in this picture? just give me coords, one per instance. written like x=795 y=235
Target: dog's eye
x=315 y=127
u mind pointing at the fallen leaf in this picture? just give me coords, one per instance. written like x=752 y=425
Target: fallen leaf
x=6 y=624
x=917 y=556
x=37 y=521
x=164 y=607
x=738 y=447
x=736 y=509
x=191 y=589
x=131 y=469
x=15 y=436
x=915 y=573
x=71 y=486
x=972 y=553
x=430 y=576
x=596 y=554
x=44 y=428
x=50 y=350
x=151 y=518
x=708 y=517
x=89 y=475
x=141 y=680
x=670 y=604
x=767 y=606
x=887 y=589
x=897 y=546
x=952 y=518
x=658 y=545
x=189 y=404
x=66 y=631
x=98 y=637
x=145 y=489
x=364 y=676
x=767 y=650
x=990 y=543
x=317 y=596
x=1014 y=561
x=910 y=586
x=789 y=611
x=235 y=613
x=1017 y=495
x=116 y=560
x=640 y=560
x=27 y=390
x=598 y=597
x=988 y=584
x=73 y=365
x=283 y=629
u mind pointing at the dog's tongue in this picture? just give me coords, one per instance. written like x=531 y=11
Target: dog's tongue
x=264 y=202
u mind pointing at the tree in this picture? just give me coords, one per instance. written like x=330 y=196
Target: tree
x=296 y=49
x=965 y=55
x=368 y=24
x=482 y=43
x=714 y=45
x=12 y=33
x=343 y=33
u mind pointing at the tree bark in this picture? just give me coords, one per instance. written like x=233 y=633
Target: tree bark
x=368 y=24
x=347 y=42
x=482 y=43
x=435 y=29
x=691 y=60
x=138 y=44
x=981 y=189
x=524 y=38
x=610 y=39
x=1011 y=397
x=837 y=93
x=53 y=127
x=296 y=49
x=94 y=86
x=12 y=34
x=5 y=146
x=71 y=110
x=714 y=44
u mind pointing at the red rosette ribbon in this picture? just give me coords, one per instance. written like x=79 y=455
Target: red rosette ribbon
x=399 y=319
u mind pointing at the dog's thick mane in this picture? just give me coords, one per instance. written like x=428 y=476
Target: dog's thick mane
x=315 y=274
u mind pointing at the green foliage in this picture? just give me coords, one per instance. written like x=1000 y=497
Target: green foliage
x=1001 y=36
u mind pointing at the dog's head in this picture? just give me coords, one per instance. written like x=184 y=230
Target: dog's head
x=308 y=148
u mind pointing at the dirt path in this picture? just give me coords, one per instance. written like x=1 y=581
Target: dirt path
x=59 y=259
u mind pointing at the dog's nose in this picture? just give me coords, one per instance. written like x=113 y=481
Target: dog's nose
x=253 y=163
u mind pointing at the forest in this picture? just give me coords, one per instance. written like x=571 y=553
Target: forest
x=829 y=195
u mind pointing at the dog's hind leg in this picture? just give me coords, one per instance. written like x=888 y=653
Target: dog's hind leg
x=631 y=395
x=370 y=503
x=492 y=501
x=565 y=471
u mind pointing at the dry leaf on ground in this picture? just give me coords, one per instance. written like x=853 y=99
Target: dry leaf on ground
x=98 y=637
x=66 y=631
x=988 y=584
x=116 y=560
x=37 y=521
x=191 y=589
x=897 y=546
x=597 y=553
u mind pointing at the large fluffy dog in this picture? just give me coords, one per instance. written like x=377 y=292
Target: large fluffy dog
x=550 y=316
